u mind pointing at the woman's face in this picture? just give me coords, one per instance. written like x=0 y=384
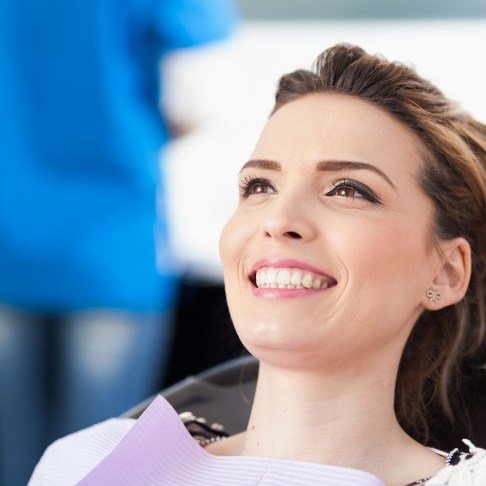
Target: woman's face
x=329 y=253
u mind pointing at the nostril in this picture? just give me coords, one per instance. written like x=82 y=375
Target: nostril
x=284 y=234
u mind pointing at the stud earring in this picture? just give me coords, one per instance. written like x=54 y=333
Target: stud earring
x=433 y=295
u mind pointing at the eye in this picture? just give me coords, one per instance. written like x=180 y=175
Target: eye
x=354 y=190
x=255 y=185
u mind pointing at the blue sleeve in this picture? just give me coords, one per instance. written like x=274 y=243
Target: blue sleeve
x=185 y=23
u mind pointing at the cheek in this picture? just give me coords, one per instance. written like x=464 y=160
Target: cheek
x=231 y=250
x=386 y=269
x=233 y=245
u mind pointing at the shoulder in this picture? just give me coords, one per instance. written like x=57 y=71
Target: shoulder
x=469 y=469
x=67 y=460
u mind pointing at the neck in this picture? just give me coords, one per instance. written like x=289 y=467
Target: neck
x=344 y=419
x=293 y=411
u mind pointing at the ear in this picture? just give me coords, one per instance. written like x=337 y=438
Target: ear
x=452 y=277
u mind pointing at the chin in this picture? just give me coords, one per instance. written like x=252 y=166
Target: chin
x=281 y=357
x=273 y=336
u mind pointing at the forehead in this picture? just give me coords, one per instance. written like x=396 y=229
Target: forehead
x=335 y=126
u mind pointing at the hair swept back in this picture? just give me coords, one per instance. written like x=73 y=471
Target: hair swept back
x=454 y=177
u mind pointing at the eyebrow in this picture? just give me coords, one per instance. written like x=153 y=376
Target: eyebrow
x=262 y=164
x=322 y=166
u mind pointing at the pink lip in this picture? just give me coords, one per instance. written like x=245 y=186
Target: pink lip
x=286 y=293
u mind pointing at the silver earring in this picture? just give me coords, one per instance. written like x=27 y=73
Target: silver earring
x=433 y=295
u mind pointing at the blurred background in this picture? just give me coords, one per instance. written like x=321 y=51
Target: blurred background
x=135 y=116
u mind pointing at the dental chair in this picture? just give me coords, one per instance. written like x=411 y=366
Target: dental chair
x=222 y=394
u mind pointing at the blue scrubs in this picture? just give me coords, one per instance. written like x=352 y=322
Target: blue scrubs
x=79 y=134
x=80 y=130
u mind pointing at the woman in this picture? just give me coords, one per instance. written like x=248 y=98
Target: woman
x=354 y=270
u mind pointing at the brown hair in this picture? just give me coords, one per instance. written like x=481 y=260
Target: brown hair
x=454 y=177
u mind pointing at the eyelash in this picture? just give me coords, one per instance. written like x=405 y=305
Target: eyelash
x=365 y=191
x=250 y=182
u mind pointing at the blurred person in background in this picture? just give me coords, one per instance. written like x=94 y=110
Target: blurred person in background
x=85 y=322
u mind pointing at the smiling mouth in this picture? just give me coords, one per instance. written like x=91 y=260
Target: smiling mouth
x=290 y=278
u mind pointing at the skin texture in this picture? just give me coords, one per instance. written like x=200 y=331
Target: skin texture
x=329 y=359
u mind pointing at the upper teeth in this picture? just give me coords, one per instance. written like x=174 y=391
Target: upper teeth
x=291 y=278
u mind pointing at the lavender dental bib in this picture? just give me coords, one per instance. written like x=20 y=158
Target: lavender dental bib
x=158 y=450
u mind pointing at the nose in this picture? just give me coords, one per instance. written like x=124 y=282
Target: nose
x=289 y=220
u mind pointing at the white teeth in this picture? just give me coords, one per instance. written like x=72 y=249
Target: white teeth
x=307 y=280
x=260 y=278
x=290 y=278
x=283 y=277
x=271 y=276
x=296 y=278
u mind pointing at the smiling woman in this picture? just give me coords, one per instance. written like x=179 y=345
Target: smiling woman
x=354 y=271
x=354 y=265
